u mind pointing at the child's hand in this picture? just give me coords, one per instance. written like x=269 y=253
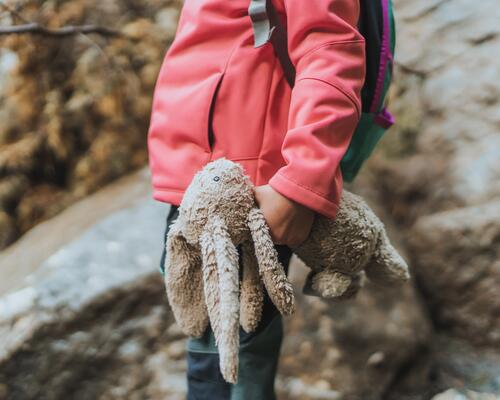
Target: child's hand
x=289 y=222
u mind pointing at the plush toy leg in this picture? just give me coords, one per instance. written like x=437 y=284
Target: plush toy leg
x=251 y=290
x=334 y=285
x=272 y=272
x=329 y=284
x=184 y=285
x=386 y=265
x=228 y=269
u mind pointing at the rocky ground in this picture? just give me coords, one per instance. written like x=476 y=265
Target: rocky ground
x=96 y=309
x=92 y=322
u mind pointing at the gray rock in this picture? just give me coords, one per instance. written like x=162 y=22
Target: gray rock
x=453 y=394
x=449 y=102
x=22 y=258
x=449 y=47
x=94 y=322
x=457 y=257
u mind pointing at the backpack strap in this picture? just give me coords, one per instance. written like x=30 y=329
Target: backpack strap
x=267 y=26
x=257 y=10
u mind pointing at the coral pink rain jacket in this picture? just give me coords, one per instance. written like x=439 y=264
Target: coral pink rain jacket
x=218 y=96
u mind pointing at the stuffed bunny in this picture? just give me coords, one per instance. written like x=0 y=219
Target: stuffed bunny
x=217 y=214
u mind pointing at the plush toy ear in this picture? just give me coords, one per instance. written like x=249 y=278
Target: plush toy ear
x=210 y=281
x=272 y=272
x=251 y=290
x=387 y=266
x=220 y=255
x=184 y=284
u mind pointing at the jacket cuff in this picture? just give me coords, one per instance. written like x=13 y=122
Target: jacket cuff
x=304 y=196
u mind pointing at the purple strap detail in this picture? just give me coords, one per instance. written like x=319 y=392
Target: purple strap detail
x=384 y=119
x=385 y=55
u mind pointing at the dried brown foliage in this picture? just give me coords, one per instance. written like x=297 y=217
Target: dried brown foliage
x=75 y=109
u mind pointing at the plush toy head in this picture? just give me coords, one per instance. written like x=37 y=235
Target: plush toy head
x=221 y=189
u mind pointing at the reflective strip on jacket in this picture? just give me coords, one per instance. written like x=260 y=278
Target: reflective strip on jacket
x=218 y=96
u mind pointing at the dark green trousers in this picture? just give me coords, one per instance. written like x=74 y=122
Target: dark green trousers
x=258 y=355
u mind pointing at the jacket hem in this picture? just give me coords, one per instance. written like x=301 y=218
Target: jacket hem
x=170 y=196
x=304 y=196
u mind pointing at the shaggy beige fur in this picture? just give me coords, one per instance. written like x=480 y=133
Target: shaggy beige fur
x=251 y=290
x=218 y=213
x=340 y=251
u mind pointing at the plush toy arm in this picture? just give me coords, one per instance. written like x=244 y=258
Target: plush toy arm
x=226 y=256
x=183 y=282
x=387 y=266
x=251 y=290
x=272 y=272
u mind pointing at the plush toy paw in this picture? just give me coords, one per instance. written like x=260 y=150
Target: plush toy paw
x=333 y=285
x=387 y=267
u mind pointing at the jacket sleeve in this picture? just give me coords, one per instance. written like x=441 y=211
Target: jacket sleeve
x=329 y=56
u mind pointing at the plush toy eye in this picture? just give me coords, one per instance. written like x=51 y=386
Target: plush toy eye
x=216 y=178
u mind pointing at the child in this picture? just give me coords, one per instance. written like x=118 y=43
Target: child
x=219 y=96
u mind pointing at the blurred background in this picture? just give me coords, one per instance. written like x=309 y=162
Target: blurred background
x=83 y=313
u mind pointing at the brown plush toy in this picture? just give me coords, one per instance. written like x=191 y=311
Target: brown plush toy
x=218 y=213
x=341 y=251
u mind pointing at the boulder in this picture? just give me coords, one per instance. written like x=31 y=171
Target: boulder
x=457 y=261
x=453 y=394
x=92 y=320
x=438 y=172
x=446 y=100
